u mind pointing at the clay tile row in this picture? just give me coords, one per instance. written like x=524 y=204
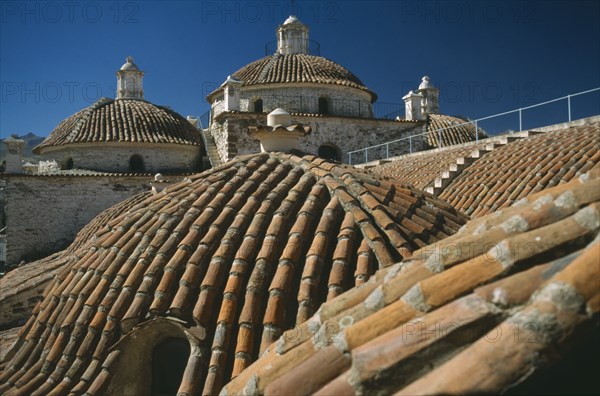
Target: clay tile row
x=236 y=255
x=512 y=172
x=124 y=120
x=483 y=311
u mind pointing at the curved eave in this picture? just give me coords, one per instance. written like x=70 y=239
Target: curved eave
x=55 y=147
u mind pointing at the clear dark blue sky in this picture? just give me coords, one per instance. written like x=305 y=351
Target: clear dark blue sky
x=486 y=56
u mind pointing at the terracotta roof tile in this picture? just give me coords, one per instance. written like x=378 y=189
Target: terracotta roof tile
x=123 y=120
x=451 y=130
x=421 y=169
x=297 y=68
x=480 y=178
x=503 y=172
x=431 y=324
x=240 y=253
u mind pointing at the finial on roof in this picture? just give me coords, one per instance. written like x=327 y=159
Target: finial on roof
x=425 y=83
x=129 y=59
x=291 y=19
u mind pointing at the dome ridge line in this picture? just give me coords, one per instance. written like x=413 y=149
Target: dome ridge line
x=295 y=69
x=265 y=70
x=85 y=116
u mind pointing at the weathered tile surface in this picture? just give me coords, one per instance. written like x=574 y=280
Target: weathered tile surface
x=523 y=167
x=297 y=68
x=478 y=312
x=238 y=254
x=110 y=120
x=444 y=130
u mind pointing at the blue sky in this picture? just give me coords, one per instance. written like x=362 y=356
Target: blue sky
x=486 y=56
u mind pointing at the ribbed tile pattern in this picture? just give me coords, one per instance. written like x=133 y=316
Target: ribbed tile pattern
x=478 y=313
x=123 y=120
x=97 y=227
x=421 y=169
x=452 y=131
x=239 y=253
x=7 y=340
x=523 y=167
x=298 y=68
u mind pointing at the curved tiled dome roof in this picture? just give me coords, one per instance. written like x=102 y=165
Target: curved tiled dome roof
x=239 y=254
x=480 y=178
x=454 y=130
x=122 y=120
x=422 y=168
x=523 y=167
x=459 y=318
x=298 y=68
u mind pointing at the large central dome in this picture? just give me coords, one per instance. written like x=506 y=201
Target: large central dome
x=293 y=63
x=298 y=68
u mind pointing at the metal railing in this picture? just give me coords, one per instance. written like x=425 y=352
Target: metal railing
x=204 y=120
x=355 y=157
x=388 y=110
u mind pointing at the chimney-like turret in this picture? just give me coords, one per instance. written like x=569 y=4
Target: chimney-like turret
x=292 y=37
x=412 y=106
x=430 y=104
x=424 y=101
x=129 y=81
x=278 y=134
x=14 y=154
x=232 y=93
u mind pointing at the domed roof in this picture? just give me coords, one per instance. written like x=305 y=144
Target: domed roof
x=297 y=68
x=453 y=130
x=444 y=322
x=129 y=65
x=122 y=120
x=236 y=254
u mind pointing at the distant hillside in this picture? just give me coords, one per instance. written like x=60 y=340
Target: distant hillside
x=31 y=140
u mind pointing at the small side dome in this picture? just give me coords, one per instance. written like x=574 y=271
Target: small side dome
x=425 y=83
x=129 y=65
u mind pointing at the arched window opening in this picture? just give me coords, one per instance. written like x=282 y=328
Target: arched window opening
x=66 y=163
x=329 y=152
x=136 y=163
x=258 y=106
x=323 y=105
x=169 y=359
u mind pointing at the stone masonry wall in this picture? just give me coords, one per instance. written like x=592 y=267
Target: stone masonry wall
x=346 y=134
x=167 y=158
x=44 y=213
x=342 y=101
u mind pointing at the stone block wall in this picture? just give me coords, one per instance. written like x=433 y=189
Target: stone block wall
x=230 y=132
x=44 y=213
x=342 y=101
x=114 y=157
